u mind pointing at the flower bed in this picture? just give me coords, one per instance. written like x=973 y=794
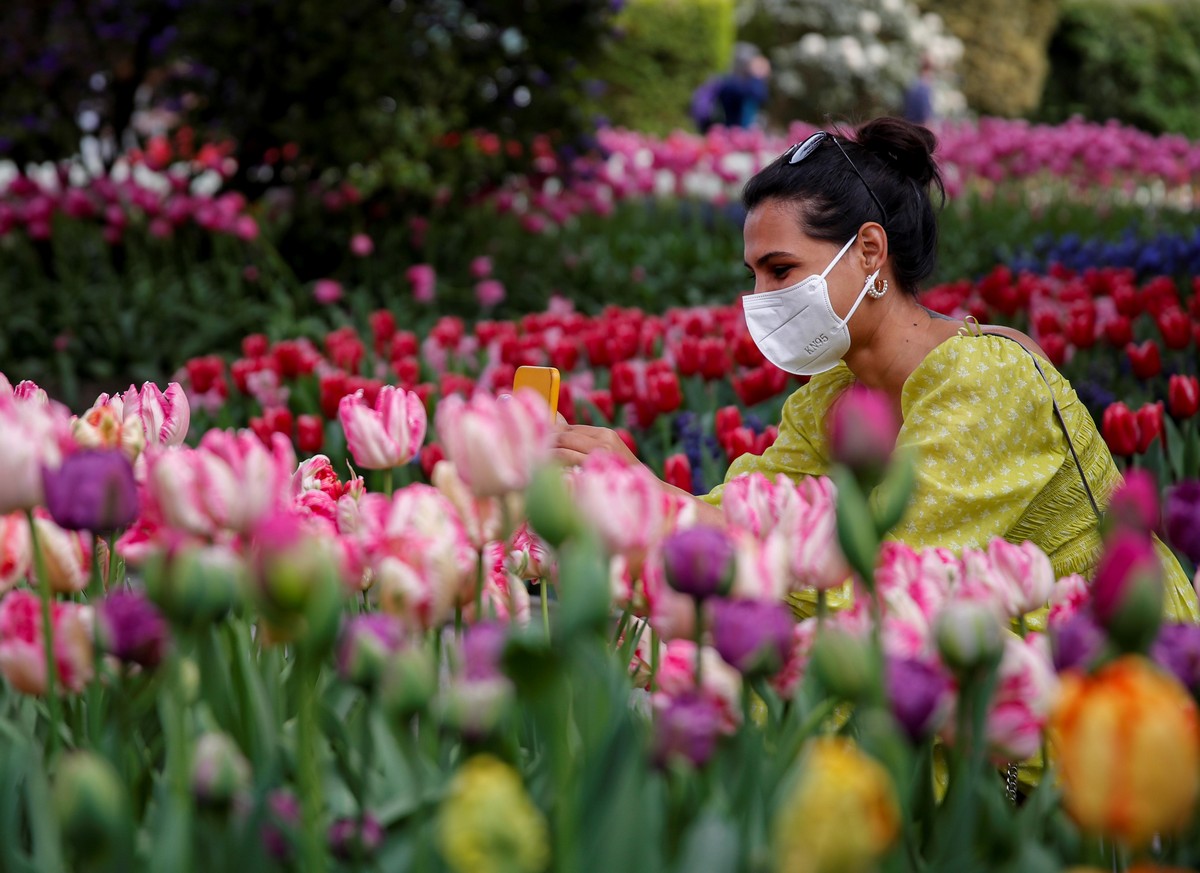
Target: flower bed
x=240 y=659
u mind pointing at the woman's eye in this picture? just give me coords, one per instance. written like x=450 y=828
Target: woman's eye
x=780 y=272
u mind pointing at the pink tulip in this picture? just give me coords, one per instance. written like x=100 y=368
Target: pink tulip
x=624 y=502
x=327 y=291
x=66 y=556
x=104 y=427
x=317 y=474
x=495 y=444
x=762 y=567
x=361 y=245
x=982 y=583
x=529 y=556
x=481 y=267
x=720 y=683
x=165 y=415
x=920 y=576
x=423 y=280
x=816 y=558
x=1026 y=572
x=1070 y=596
x=787 y=680
x=1026 y=691
x=33 y=435
x=22 y=650
x=422 y=560
x=504 y=595
x=482 y=517
x=489 y=292
x=16 y=555
x=756 y=504
x=385 y=436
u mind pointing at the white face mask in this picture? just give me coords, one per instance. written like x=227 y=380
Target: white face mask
x=797 y=329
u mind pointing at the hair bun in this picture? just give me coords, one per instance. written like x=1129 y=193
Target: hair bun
x=903 y=145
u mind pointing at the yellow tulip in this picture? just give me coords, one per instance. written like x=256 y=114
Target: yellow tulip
x=1128 y=750
x=488 y=824
x=842 y=814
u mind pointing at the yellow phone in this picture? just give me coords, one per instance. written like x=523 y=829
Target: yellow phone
x=543 y=380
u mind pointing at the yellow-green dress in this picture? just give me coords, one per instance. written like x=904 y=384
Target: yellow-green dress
x=991 y=459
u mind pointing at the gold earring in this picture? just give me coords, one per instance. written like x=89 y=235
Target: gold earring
x=875 y=291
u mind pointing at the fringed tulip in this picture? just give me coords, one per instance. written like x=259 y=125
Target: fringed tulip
x=22 y=650
x=495 y=444
x=385 y=435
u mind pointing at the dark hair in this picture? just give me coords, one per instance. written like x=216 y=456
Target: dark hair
x=895 y=158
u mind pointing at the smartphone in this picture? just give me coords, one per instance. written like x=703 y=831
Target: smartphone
x=543 y=380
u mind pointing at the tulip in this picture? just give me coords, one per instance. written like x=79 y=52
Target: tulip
x=197 y=585
x=1134 y=504
x=408 y=682
x=367 y=642
x=1025 y=573
x=388 y=435
x=423 y=280
x=1175 y=327
x=1025 y=693
x=677 y=472
x=918 y=693
x=489 y=293
x=90 y=803
x=862 y=431
x=1145 y=358
x=844 y=664
x=104 y=427
x=837 y=784
x=16 y=555
x=355 y=838
x=1177 y=650
x=687 y=728
x=495 y=445
x=66 y=556
x=220 y=772
x=310 y=433
x=297 y=579
x=756 y=504
x=482 y=517
x=1127 y=742
x=1127 y=590
x=32 y=437
x=131 y=629
x=1120 y=429
x=968 y=635
x=726 y=419
x=699 y=561
x=282 y=821
x=1183 y=396
x=361 y=245
x=93 y=490
x=165 y=415
x=327 y=291
x=487 y=821
x=1076 y=643
x=22 y=650
x=1150 y=425
x=1181 y=518
x=624 y=502
x=753 y=636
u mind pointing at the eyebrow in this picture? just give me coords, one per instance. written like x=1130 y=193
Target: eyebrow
x=768 y=256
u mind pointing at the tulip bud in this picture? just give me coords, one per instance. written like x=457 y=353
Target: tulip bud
x=753 y=636
x=699 y=561
x=475 y=708
x=408 y=682
x=219 y=771
x=196 y=586
x=843 y=663
x=90 y=802
x=352 y=838
x=1181 y=518
x=1127 y=591
x=1177 y=650
x=1120 y=429
x=968 y=636
x=687 y=729
x=862 y=432
x=298 y=584
x=1183 y=396
x=367 y=642
x=1135 y=504
x=130 y=629
x=550 y=508
x=918 y=693
x=93 y=490
x=1076 y=643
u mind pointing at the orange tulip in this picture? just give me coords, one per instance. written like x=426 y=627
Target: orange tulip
x=1128 y=748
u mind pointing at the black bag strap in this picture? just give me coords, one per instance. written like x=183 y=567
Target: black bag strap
x=1057 y=415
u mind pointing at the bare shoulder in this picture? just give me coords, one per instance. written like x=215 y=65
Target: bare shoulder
x=1022 y=338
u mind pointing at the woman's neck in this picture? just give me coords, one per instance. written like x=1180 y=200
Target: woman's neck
x=895 y=341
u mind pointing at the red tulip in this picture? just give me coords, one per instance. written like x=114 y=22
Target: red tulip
x=404 y=345
x=623 y=383
x=564 y=355
x=408 y=371
x=255 y=345
x=677 y=471
x=278 y=419
x=1150 y=425
x=430 y=455
x=1055 y=347
x=383 y=329
x=665 y=392
x=746 y=351
x=1183 y=396
x=726 y=419
x=261 y=430
x=714 y=358
x=1047 y=322
x=1120 y=429
x=310 y=433
x=687 y=356
x=1147 y=363
x=566 y=402
x=1119 y=331
x=1175 y=327
x=738 y=442
x=602 y=399
x=1126 y=299
x=627 y=438
x=766 y=439
x=1081 y=328
x=332 y=389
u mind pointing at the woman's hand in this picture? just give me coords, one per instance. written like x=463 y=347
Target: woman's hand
x=574 y=442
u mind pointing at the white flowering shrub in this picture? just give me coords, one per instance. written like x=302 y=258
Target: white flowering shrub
x=849 y=59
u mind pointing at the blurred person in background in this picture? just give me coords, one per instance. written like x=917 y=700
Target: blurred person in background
x=918 y=98
x=743 y=92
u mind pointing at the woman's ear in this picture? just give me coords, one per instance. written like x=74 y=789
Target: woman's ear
x=874 y=246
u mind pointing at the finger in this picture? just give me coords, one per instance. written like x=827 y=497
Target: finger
x=582 y=443
x=568 y=457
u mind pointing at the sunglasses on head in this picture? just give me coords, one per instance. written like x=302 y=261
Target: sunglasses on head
x=802 y=150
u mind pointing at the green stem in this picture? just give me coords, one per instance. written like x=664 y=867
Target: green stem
x=178 y=752
x=653 y=659
x=43 y=586
x=112 y=561
x=311 y=850
x=542 y=592
x=95 y=588
x=387 y=481
x=822 y=608
x=479 y=588
x=699 y=641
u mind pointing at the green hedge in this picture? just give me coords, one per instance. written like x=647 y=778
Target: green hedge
x=1138 y=62
x=662 y=51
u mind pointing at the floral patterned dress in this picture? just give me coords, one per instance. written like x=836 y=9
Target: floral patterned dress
x=991 y=459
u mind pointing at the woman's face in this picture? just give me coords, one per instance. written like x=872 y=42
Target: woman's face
x=778 y=255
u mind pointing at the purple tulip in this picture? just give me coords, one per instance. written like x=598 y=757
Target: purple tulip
x=348 y=841
x=1182 y=519
x=917 y=691
x=699 y=561
x=754 y=636
x=1177 y=649
x=1135 y=503
x=1076 y=643
x=482 y=646
x=93 y=490
x=131 y=629
x=687 y=728
x=367 y=643
x=282 y=821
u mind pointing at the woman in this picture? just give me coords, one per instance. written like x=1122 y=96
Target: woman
x=839 y=235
